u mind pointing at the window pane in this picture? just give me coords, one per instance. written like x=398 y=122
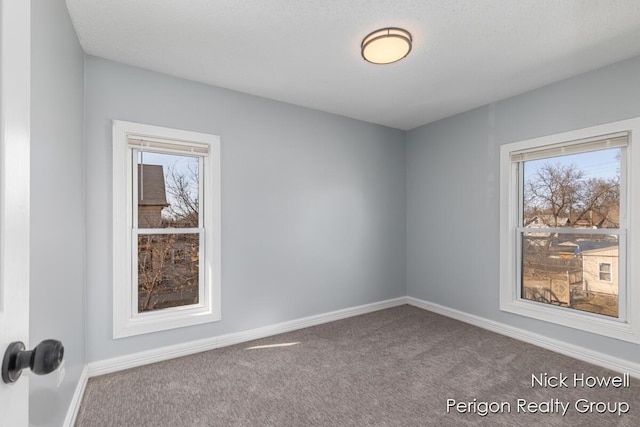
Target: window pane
x=167 y=190
x=605 y=272
x=571 y=270
x=576 y=191
x=168 y=270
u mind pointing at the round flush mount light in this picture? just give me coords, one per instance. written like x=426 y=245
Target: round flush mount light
x=386 y=45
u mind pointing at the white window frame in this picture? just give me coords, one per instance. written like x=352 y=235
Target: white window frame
x=627 y=327
x=610 y=272
x=126 y=319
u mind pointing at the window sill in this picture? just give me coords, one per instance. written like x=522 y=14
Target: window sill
x=589 y=322
x=162 y=320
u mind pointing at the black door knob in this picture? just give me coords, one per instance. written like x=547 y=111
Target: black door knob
x=43 y=359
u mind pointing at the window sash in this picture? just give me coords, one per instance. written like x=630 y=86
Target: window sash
x=162 y=147
x=622 y=268
x=202 y=291
x=134 y=174
x=510 y=302
x=616 y=140
x=608 y=271
x=517 y=167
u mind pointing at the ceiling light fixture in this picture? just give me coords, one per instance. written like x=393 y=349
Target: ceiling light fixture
x=386 y=45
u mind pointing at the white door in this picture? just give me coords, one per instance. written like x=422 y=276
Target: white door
x=15 y=53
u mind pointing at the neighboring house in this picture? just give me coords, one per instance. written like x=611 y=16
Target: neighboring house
x=600 y=266
x=554 y=271
x=588 y=221
x=598 y=257
x=593 y=220
x=152 y=196
x=545 y=221
x=598 y=263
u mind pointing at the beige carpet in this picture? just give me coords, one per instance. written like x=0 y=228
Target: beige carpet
x=395 y=367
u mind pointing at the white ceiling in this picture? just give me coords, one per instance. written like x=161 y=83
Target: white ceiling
x=466 y=53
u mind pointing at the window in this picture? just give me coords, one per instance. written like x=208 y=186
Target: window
x=565 y=219
x=166 y=225
x=604 y=272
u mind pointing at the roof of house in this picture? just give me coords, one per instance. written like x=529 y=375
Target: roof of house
x=151 y=187
x=544 y=221
x=590 y=246
x=548 y=221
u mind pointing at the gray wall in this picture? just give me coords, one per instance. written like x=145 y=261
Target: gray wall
x=313 y=204
x=57 y=204
x=453 y=192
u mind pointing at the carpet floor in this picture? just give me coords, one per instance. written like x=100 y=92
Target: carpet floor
x=398 y=367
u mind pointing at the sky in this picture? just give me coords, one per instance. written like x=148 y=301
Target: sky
x=594 y=164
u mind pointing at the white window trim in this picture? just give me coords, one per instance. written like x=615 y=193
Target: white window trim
x=627 y=330
x=610 y=272
x=126 y=322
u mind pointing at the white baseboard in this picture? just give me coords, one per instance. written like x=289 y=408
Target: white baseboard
x=580 y=353
x=164 y=353
x=76 y=400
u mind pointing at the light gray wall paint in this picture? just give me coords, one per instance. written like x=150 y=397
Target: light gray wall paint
x=453 y=192
x=57 y=204
x=313 y=204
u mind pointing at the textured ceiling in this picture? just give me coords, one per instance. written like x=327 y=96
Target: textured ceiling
x=466 y=53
